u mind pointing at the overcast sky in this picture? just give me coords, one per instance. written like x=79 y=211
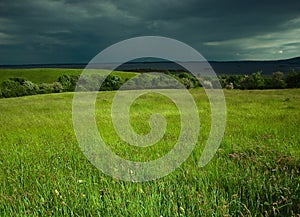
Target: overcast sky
x=66 y=31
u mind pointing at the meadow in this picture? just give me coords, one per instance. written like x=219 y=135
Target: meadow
x=48 y=75
x=256 y=171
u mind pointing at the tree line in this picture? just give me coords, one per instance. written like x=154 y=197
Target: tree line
x=15 y=87
x=257 y=81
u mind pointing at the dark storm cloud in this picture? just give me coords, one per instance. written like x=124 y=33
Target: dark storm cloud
x=56 y=31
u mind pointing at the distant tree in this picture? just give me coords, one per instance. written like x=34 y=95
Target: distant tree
x=253 y=81
x=293 y=79
x=223 y=80
x=258 y=80
x=278 y=80
x=235 y=80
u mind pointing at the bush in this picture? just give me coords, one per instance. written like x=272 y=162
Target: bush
x=46 y=88
x=68 y=82
x=207 y=84
x=293 y=79
x=184 y=75
x=31 y=88
x=112 y=82
x=188 y=83
x=21 y=81
x=90 y=82
x=278 y=80
x=11 y=88
x=57 y=87
x=253 y=81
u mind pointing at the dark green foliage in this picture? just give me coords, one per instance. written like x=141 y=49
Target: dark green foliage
x=18 y=80
x=55 y=87
x=293 y=80
x=31 y=88
x=187 y=83
x=45 y=88
x=112 y=82
x=96 y=82
x=15 y=87
x=12 y=88
x=278 y=80
x=253 y=81
x=68 y=82
x=257 y=81
x=188 y=80
x=157 y=81
x=184 y=75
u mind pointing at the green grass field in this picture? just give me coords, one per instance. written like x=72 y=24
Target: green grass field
x=48 y=75
x=256 y=171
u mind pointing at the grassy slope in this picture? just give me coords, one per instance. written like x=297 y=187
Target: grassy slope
x=255 y=172
x=47 y=75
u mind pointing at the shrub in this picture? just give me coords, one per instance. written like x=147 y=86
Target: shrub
x=68 y=82
x=57 y=87
x=21 y=81
x=46 y=88
x=11 y=88
x=278 y=80
x=112 y=82
x=253 y=81
x=229 y=86
x=90 y=82
x=207 y=84
x=293 y=79
x=188 y=83
x=31 y=88
x=184 y=75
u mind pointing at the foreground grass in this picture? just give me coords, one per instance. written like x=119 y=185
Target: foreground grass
x=48 y=75
x=254 y=173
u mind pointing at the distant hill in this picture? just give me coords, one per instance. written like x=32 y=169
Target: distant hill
x=220 y=67
x=248 y=67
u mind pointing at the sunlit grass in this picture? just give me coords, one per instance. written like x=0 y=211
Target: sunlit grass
x=254 y=173
x=49 y=75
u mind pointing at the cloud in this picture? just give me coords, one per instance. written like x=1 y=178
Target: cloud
x=51 y=31
x=266 y=45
